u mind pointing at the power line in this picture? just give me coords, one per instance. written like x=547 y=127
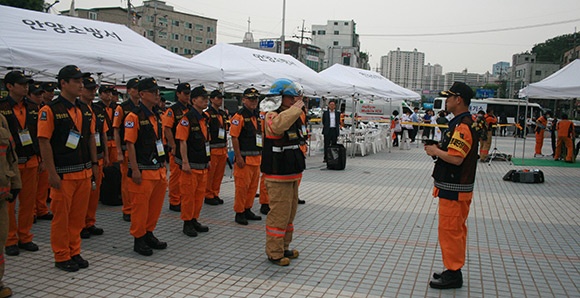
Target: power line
x=475 y=31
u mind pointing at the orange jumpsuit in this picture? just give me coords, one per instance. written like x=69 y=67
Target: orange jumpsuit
x=42 y=194
x=146 y=198
x=118 y=120
x=193 y=184
x=70 y=201
x=219 y=157
x=245 y=179
x=170 y=120
x=490 y=121
x=540 y=128
x=91 y=216
x=565 y=135
x=19 y=230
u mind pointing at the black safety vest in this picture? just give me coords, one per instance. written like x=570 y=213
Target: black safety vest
x=196 y=154
x=6 y=108
x=100 y=116
x=108 y=119
x=283 y=156
x=127 y=107
x=178 y=111
x=145 y=146
x=247 y=138
x=452 y=179
x=67 y=160
x=214 y=126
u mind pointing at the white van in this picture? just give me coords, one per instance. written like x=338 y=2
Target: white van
x=506 y=106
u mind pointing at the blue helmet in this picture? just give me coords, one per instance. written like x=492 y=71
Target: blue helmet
x=285 y=87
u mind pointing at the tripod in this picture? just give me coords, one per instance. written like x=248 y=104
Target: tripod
x=495 y=152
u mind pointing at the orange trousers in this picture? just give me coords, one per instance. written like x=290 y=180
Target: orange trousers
x=264 y=198
x=69 y=206
x=112 y=147
x=42 y=194
x=566 y=141
x=246 y=181
x=539 y=142
x=146 y=202
x=453 y=232
x=124 y=183
x=193 y=186
x=174 y=188
x=280 y=220
x=91 y=216
x=217 y=168
x=20 y=231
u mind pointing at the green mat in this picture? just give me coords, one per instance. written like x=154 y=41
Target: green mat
x=544 y=162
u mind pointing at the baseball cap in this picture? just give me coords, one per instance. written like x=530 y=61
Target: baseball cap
x=49 y=86
x=148 y=84
x=105 y=89
x=184 y=87
x=17 y=77
x=198 y=91
x=459 y=89
x=35 y=87
x=216 y=93
x=89 y=83
x=133 y=83
x=251 y=93
x=71 y=72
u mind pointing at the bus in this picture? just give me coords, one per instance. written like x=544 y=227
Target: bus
x=500 y=106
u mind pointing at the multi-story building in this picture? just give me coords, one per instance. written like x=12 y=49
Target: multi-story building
x=117 y=15
x=526 y=70
x=404 y=68
x=474 y=80
x=571 y=55
x=500 y=69
x=433 y=78
x=340 y=42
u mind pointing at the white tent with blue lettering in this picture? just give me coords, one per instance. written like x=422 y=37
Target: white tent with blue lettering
x=41 y=44
x=244 y=67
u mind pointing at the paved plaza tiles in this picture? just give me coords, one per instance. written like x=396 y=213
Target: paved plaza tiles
x=368 y=231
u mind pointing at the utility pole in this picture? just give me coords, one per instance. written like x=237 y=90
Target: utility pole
x=129 y=13
x=282 y=45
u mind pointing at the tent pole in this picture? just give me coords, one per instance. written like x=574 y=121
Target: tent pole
x=515 y=128
x=525 y=131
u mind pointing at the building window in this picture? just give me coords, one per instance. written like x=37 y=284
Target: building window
x=175 y=36
x=336 y=33
x=198 y=27
x=210 y=29
x=92 y=15
x=188 y=25
x=175 y=50
x=199 y=39
x=197 y=52
x=175 y=23
x=335 y=23
x=163 y=35
x=187 y=51
x=150 y=33
x=321 y=32
x=209 y=41
x=313 y=32
x=538 y=72
x=346 y=23
x=150 y=19
x=188 y=38
x=335 y=43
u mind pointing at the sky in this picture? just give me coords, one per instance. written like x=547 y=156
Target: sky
x=436 y=28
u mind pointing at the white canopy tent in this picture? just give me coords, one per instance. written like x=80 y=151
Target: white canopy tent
x=563 y=84
x=244 y=67
x=41 y=44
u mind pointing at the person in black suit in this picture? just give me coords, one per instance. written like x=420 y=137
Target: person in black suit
x=330 y=126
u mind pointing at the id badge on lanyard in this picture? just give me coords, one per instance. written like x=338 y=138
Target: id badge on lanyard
x=221 y=133
x=160 y=149
x=25 y=138
x=259 y=142
x=207 y=149
x=98 y=139
x=73 y=139
x=304 y=131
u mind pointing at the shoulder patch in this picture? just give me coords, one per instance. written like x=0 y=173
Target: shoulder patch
x=43 y=116
x=235 y=122
x=169 y=113
x=116 y=114
x=184 y=122
x=129 y=124
x=262 y=116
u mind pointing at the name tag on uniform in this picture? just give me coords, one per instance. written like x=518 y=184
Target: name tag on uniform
x=292 y=135
x=160 y=148
x=304 y=131
x=98 y=139
x=207 y=149
x=259 y=140
x=73 y=139
x=25 y=138
x=222 y=134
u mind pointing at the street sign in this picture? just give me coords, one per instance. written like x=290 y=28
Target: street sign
x=267 y=43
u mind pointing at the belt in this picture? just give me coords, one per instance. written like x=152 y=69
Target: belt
x=454 y=186
x=110 y=138
x=250 y=153
x=124 y=147
x=73 y=168
x=23 y=159
x=195 y=166
x=150 y=167
x=100 y=155
x=280 y=149
x=218 y=145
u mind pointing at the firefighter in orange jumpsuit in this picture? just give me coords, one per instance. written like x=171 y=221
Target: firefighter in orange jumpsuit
x=22 y=115
x=147 y=173
x=66 y=128
x=171 y=118
x=109 y=106
x=10 y=185
x=490 y=123
x=87 y=96
x=193 y=155
x=36 y=94
x=247 y=141
x=218 y=128
x=283 y=164
x=121 y=112
x=454 y=175
x=566 y=132
x=541 y=124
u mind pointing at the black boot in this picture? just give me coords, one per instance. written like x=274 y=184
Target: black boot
x=188 y=228
x=141 y=248
x=199 y=227
x=251 y=216
x=153 y=242
x=448 y=279
x=241 y=218
x=265 y=209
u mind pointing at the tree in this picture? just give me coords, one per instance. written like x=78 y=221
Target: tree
x=552 y=49
x=37 y=5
